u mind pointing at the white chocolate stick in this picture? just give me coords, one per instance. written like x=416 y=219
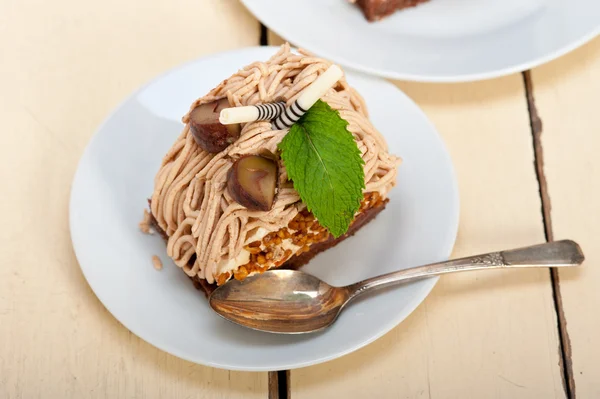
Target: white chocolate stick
x=309 y=97
x=251 y=113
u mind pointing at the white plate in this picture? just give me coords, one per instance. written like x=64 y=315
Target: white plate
x=439 y=41
x=115 y=177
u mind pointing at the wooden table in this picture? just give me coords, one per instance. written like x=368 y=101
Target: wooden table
x=525 y=148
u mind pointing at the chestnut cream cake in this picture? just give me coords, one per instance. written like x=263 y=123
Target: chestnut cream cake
x=296 y=170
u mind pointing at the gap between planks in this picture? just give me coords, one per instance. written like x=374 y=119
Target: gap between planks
x=564 y=341
x=279 y=384
x=279 y=381
x=263 y=38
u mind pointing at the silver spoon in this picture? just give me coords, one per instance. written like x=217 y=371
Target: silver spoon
x=293 y=302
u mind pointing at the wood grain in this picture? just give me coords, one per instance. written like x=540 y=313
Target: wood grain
x=273 y=385
x=566 y=93
x=64 y=65
x=478 y=335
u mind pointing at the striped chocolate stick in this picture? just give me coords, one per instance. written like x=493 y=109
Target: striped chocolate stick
x=251 y=113
x=308 y=97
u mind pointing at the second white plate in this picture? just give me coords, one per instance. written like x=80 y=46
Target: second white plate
x=115 y=178
x=439 y=41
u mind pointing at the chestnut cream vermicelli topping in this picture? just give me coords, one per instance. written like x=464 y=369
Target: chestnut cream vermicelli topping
x=209 y=233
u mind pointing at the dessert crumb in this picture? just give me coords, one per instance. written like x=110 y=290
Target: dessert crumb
x=157 y=262
x=145 y=224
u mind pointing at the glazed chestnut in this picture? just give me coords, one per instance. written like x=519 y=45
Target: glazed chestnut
x=208 y=132
x=251 y=182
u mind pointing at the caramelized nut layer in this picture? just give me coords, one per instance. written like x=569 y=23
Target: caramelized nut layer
x=302 y=232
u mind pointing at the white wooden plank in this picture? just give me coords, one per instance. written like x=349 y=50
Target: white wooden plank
x=478 y=335
x=64 y=65
x=567 y=97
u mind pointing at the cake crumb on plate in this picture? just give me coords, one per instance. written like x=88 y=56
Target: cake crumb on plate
x=157 y=262
x=146 y=223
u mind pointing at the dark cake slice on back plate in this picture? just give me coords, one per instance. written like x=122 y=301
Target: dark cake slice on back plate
x=375 y=10
x=235 y=197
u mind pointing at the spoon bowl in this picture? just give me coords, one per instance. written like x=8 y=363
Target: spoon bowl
x=280 y=301
x=293 y=302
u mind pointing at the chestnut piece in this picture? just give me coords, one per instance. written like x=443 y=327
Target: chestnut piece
x=251 y=182
x=208 y=132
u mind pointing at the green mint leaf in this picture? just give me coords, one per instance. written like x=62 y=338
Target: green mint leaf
x=324 y=162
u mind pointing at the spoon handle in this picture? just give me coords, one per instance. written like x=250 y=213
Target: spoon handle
x=552 y=254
